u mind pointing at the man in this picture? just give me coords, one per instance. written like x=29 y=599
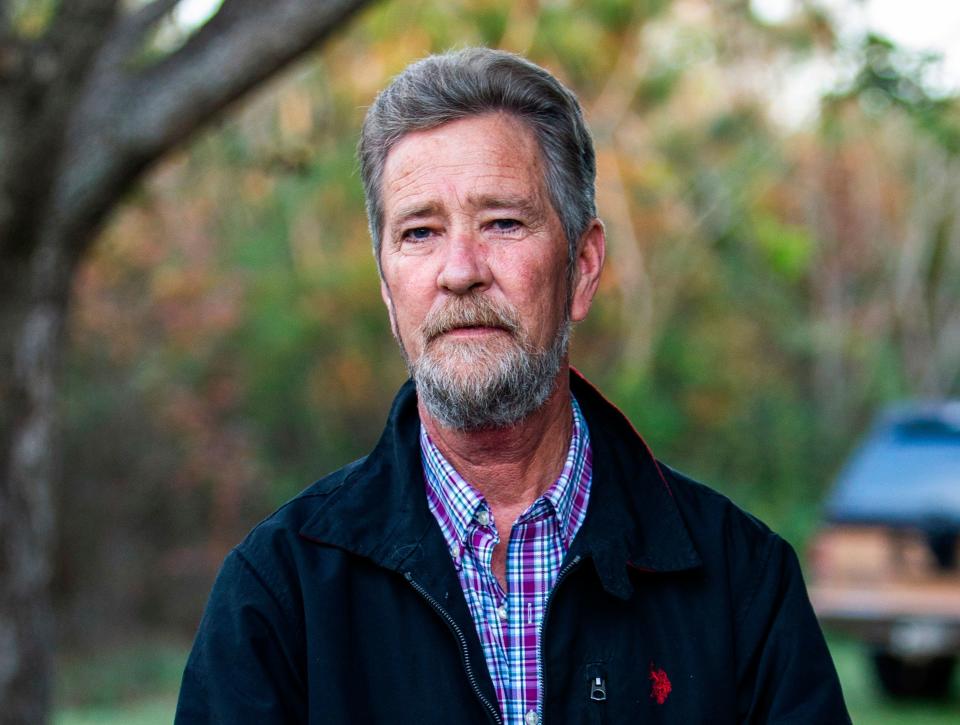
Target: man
x=510 y=552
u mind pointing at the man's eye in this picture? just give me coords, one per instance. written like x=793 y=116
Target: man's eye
x=505 y=225
x=417 y=234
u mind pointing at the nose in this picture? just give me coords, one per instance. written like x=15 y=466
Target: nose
x=465 y=267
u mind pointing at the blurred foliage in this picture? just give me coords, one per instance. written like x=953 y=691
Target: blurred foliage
x=31 y=17
x=768 y=286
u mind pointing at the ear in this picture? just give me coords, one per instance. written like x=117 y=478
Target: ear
x=388 y=301
x=591 y=252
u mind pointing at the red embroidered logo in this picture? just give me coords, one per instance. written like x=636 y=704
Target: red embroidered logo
x=661 y=687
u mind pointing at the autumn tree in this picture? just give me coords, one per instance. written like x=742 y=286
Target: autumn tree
x=88 y=101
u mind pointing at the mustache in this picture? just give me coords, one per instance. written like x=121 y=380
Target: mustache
x=469 y=311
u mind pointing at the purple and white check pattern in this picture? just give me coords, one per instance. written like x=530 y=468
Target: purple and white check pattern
x=509 y=623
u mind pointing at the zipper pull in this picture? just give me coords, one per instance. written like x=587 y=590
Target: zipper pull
x=598 y=689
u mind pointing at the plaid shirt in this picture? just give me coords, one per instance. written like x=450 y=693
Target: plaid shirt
x=509 y=623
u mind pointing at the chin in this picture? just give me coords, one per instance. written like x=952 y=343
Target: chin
x=468 y=359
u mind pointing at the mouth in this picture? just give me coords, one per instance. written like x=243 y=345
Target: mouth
x=470 y=330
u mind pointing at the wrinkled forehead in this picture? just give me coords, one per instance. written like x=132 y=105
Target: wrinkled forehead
x=491 y=158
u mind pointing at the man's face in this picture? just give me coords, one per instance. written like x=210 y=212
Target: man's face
x=473 y=255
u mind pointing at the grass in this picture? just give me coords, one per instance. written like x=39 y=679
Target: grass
x=149 y=711
x=866 y=701
x=133 y=686
x=138 y=686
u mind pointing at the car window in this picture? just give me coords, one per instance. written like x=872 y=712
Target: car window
x=906 y=472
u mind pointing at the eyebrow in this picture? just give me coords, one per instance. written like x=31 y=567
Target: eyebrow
x=417 y=211
x=486 y=201
x=523 y=204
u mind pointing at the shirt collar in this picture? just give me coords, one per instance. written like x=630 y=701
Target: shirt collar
x=570 y=492
x=455 y=503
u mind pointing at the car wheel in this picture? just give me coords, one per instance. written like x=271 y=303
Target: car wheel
x=914 y=678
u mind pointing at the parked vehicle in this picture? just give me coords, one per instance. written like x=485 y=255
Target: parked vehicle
x=884 y=566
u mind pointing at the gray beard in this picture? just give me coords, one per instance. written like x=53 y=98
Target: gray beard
x=498 y=388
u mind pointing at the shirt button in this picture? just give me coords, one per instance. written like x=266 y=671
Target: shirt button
x=483 y=517
x=531 y=717
x=502 y=613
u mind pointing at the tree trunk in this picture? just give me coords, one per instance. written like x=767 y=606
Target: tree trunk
x=81 y=119
x=32 y=310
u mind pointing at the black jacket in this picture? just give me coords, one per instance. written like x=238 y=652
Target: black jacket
x=344 y=606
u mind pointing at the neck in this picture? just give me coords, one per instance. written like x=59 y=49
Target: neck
x=511 y=466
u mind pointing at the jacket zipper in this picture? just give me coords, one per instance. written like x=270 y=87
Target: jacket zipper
x=543 y=625
x=464 y=652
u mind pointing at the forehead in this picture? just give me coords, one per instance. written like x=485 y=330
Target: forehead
x=470 y=158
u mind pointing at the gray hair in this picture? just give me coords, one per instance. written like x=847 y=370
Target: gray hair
x=443 y=88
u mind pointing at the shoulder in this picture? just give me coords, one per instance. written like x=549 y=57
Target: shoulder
x=271 y=550
x=710 y=515
x=292 y=516
x=733 y=544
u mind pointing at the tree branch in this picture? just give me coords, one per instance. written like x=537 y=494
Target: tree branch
x=128 y=119
x=243 y=44
x=130 y=31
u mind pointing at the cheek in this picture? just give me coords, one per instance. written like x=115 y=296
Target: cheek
x=538 y=292
x=411 y=302
x=546 y=282
x=529 y=270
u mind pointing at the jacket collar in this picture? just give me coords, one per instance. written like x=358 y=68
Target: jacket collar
x=379 y=510
x=632 y=518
